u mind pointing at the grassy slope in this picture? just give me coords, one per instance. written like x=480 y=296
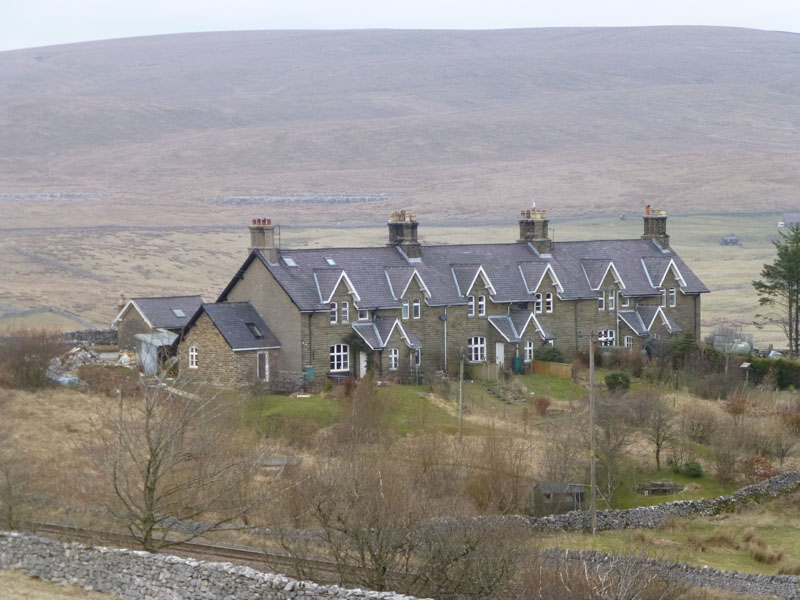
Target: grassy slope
x=18 y=586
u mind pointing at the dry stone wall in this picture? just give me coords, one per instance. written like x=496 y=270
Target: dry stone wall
x=144 y=576
x=648 y=517
x=782 y=586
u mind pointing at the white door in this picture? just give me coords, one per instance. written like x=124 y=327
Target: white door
x=362 y=364
x=262 y=360
x=500 y=353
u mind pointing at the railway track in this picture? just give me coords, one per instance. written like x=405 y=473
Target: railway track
x=323 y=571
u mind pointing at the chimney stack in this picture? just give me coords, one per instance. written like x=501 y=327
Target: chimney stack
x=403 y=233
x=533 y=225
x=262 y=238
x=655 y=226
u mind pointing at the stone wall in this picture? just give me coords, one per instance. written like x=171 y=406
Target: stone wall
x=648 y=517
x=141 y=576
x=782 y=586
x=89 y=337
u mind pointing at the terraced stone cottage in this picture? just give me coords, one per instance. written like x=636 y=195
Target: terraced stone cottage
x=407 y=308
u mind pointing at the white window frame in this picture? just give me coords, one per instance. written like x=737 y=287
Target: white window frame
x=548 y=302
x=470 y=306
x=417 y=308
x=528 y=351
x=363 y=314
x=417 y=357
x=624 y=301
x=629 y=342
x=607 y=337
x=265 y=375
x=406 y=310
x=537 y=303
x=345 y=307
x=601 y=302
x=612 y=296
x=477 y=349
x=663 y=298
x=481 y=306
x=333 y=311
x=339 y=358
x=394 y=359
x=673 y=297
x=193 y=357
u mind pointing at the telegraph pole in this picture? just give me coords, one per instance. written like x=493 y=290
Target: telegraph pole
x=592 y=440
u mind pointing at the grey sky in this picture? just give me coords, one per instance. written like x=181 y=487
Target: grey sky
x=28 y=23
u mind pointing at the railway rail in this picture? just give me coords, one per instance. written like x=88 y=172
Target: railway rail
x=324 y=571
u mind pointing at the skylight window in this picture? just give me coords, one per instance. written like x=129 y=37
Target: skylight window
x=178 y=313
x=330 y=261
x=289 y=261
x=255 y=330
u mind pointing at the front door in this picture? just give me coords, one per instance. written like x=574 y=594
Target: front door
x=500 y=353
x=362 y=364
x=262 y=360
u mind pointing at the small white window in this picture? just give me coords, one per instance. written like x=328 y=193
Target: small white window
x=673 y=297
x=606 y=337
x=477 y=349
x=601 y=302
x=394 y=359
x=528 y=351
x=345 y=312
x=629 y=341
x=624 y=301
x=178 y=313
x=481 y=306
x=333 y=313
x=406 y=310
x=417 y=308
x=551 y=342
x=290 y=262
x=363 y=314
x=470 y=306
x=417 y=357
x=663 y=297
x=330 y=261
x=340 y=357
x=537 y=304
x=193 y=357
x=548 y=303
x=612 y=296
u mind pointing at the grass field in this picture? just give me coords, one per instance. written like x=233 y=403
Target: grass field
x=18 y=586
x=762 y=539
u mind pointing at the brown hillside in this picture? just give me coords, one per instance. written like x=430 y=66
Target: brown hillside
x=584 y=120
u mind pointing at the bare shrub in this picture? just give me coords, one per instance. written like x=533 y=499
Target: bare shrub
x=25 y=358
x=757 y=468
x=736 y=407
x=726 y=458
x=498 y=480
x=541 y=404
x=700 y=423
x=563 y=458
x=16 y=479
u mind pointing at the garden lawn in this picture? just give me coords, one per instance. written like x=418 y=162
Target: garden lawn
x=558 y=388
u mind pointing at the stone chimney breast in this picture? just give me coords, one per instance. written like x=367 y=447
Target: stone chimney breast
x=403 y=233
x=262 y=238
x=533 y=230
x=655 y=226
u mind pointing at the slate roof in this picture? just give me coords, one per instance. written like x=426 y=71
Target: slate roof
x=378 y=274
x=377 y=333
x=232 y=319
x=644 y=316
x=160 y=312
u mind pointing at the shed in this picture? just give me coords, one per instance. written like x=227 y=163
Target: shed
x=551 y=497
x=152 y=350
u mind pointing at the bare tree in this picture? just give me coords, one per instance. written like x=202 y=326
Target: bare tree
x=612 y=441
x=173 y=472
x=660 y=427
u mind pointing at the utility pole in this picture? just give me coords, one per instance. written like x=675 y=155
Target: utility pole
x=461 y=399
x=592 y=440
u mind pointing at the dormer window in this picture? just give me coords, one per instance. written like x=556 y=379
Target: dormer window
x=663 y=298
x=333 y=313
x=481 y=306
x=470 y=306
x=624 y=301
x=363 y=315
x=345 y=312
x=417 y=308
x=672 y=297
x=548 y=303
x=255 y=330
x=611 y=299
x=290 y=262
x=178 y=313
x=330 y=261
x=537 y=304
x=406 y=310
